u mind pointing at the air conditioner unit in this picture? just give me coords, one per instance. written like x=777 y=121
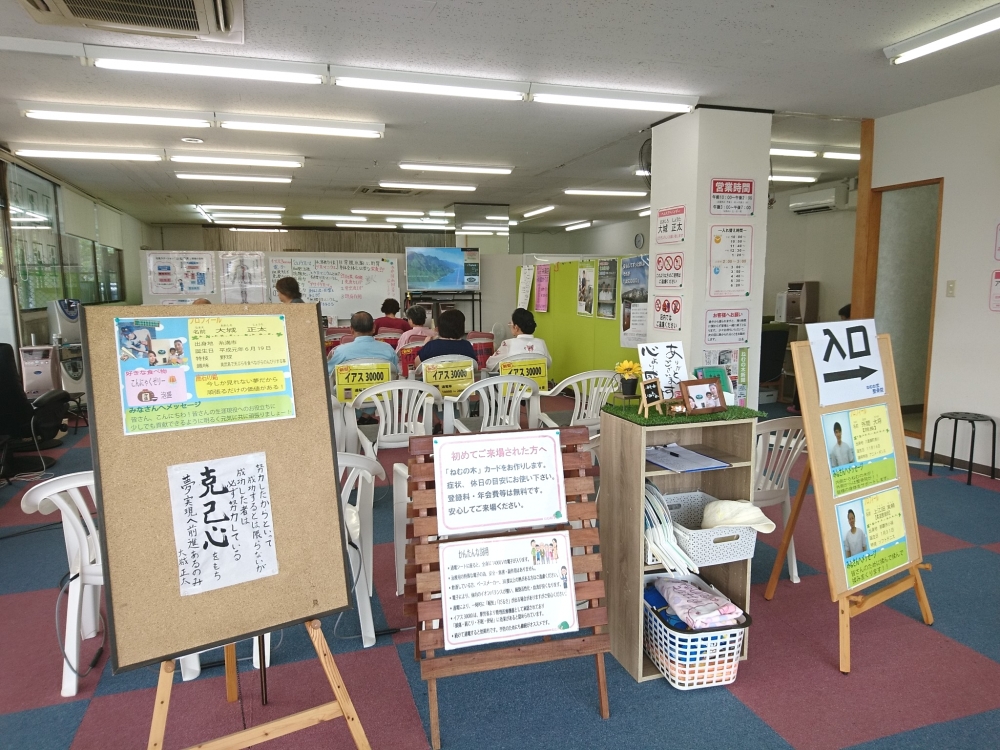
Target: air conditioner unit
x=827 y=199
x=209 y=20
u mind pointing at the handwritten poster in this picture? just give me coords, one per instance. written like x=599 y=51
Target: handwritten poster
x=634 y=297
x=498 y=481
x=181 y=273
x=607 y=288
x=727 y=326
x=872 y=535
x=243 y=278
x=859 y=449
x=585 y=290
x=506 y=588
x=670 y=224
x=664 y=360
x=669 y=271
x=542 y=288
x=524 y=286
x=732 y=197
x=995 y=292
x=187 y=372
x=667 y=313
x=730 y=257
x=223 y=526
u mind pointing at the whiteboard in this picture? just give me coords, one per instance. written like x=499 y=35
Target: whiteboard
x=343 y=284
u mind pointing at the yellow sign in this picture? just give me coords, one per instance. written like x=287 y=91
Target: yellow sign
x=241 y=384
x=354 y=378
x=872 y=436
x=884 y=518
x=451 y=378
x=536 y=369
x=241 y=342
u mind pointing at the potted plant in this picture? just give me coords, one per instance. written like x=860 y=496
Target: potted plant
x=630 y=372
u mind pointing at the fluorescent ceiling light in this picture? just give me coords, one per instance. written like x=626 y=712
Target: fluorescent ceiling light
x=77 y=154
x=588 y=97
x=245 y=216
x=247 y=229
x=503 y=234
x=197 y=64
x=368 y=226
x=423 y=83
x=483 y=228
x=481 y=234
x=232 y=177
x=405 y=220
x=582 y=225
x=426 y=186
x=242 y=208
x=644 y=212
x=451 y=168
x=841 y=155
x=792 y=152
x=385 y=212
x=944 y=36
x=115 y=115
x=428 y=221
x=434 y=227
x=301 y=125
x=537 y=211
x=791 y=178
x=250 y=160
x=254 y=223
x=620 y=193
x=440 y=213
x=496 y=218
x=332 y=217
x=642 y=173
x=28 y=219
x=512 y=223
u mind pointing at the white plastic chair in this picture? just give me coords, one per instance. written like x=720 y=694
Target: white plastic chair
x=400 y=502
x=358 y=473
x=524 y=356
x=404 y=409
x=393 y=372
x=591 y=391
x=500 y=400
x=773 y=462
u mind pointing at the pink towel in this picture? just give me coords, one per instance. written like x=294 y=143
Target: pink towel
x=699 y=609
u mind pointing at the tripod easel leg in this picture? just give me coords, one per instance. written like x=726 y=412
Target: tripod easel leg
x=921 y=592
x=845 y=634
x=786 y=537
x=162 y=706
x=432 y=705
x=232 y=676
x=337 y=683
x=602 y=687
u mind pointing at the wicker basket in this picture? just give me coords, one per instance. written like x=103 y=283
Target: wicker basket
x=722 y=544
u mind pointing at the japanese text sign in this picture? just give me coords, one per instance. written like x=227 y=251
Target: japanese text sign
x=995 y=292
x=727 y=326
x=730 y=256
x=667 y=313
x=223 y=527
x=664 y=360
x=507 y=480
x=859 y=448
x=354 y=378
x=873 y=536
x=846 y=356
x=669 y=270
x=732 y=197
x=670 y=224
x=536 y=369
x=506 y=588
x=450 y=378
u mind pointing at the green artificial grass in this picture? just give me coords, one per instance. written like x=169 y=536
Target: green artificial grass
x=656 y=419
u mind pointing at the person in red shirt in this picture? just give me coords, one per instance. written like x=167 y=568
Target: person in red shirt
x=390 y=308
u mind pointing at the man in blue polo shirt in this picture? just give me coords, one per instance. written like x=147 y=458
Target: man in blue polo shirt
x=364 y=346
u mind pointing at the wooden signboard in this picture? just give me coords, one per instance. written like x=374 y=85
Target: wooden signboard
x=217 y=484
x=650 y=395
x=424 y=580
x=864 y=496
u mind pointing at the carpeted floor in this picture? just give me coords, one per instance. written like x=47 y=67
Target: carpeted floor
x=912 y=686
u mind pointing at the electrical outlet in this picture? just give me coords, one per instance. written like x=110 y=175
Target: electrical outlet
x=950 y=289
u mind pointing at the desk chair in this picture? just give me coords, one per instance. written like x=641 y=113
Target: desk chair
x=25 y=421
x=773 y=462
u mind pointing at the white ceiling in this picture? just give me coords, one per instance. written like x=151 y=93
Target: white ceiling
x=787 y=55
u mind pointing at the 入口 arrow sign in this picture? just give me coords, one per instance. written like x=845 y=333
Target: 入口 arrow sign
x=861 y=373
x=847 y=360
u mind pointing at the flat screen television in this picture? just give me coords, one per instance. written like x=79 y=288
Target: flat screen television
x=442 y=269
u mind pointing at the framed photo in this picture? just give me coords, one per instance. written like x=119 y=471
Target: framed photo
x=703 y=396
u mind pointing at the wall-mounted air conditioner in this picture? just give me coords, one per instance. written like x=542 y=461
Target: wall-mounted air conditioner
x=827 y=199
x=209 y=20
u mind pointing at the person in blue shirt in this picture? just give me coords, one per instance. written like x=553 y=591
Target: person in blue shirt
x=449 y=339
x=364 y=346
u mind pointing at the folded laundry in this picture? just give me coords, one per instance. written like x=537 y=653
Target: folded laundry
x=699 y=609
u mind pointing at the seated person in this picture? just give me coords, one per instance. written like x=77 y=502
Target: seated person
x=451 y=329
x=389 y=321
x=364 y=346
x=417 y=317
x=522 y=325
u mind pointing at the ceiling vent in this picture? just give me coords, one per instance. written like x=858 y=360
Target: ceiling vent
x=368 y=190
x=209 y=20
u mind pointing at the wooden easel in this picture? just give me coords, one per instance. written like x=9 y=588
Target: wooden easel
x=341 y=706
x=650 y=395
x=850 y=604
x=424 y=578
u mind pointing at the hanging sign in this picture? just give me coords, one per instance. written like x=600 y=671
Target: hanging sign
x=669 y=270
x=665 y=361
x=524 y=286
x=485 y=482
x=732 y=197
x=727 y=326
x=450 y=378
x=730 y=258
x=542 y=288
x=585 y=290
x=667 y=313
x=354 y=378
x=847 y=361
x=536 y=369
x=670 y=225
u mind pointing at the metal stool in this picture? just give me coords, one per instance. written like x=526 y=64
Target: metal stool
x=81 y=413
x=971 y=418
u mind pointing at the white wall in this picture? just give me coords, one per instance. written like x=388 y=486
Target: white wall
x=957 y=140
x=135 y=234
x=614 y=238
x=178 y=237
x=813 y=247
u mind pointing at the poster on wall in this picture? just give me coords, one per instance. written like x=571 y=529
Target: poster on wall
x=182 y=373
x=542 y=288
x=859 y=449
x=667 y=313
x=727 y=326
x=872 y=536
x=995 y=292
x=731 y=197
x=634 y=296
x=524 y=286
x=665 y=361
x=607 y=288
x=670 y=224
x=181 y=273
x=730 y=258
x=736 y=363
x=585 y=290
x=669 y=270
x=243 y=278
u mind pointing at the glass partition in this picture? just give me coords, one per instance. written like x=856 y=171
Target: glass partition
x=34 y=231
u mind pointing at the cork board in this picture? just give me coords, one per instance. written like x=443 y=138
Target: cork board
x=148 y=619
x=823 y=487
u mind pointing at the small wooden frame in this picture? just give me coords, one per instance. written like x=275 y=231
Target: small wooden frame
x=650 y=395
x=709 y=388
x=423 y=578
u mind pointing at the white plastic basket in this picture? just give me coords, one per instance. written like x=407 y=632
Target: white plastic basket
x=722 y=544
x=693 y=659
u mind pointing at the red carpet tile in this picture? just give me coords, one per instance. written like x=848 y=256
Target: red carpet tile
x=83 y=442
x=904 y=674
x=387 y=457
x=932 y=542
x=11 y=513
x=978 y=480
x=30 y=659
x=385 y=588
x=52 y=452
x=993 y=547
